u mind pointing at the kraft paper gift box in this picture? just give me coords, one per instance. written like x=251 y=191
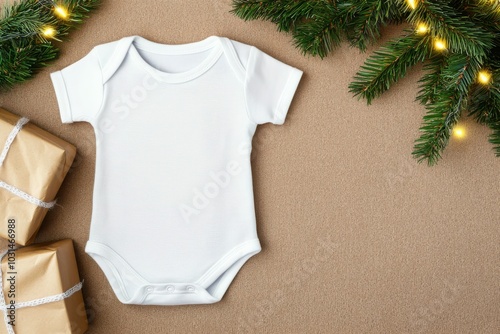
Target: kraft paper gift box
x=46 y=278
x=33 y=164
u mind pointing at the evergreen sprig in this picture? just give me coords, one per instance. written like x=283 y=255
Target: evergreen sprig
x=460 y=33
x=431 y=83
x=24 y=49
x=389 y=64
x=286 y=14
x=445 y=108
x=485 y=108
x=468 y=33
x=320 y=32
x=318 y=26
x=364 y=19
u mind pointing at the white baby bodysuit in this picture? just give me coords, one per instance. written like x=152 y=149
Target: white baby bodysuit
x=173 y=215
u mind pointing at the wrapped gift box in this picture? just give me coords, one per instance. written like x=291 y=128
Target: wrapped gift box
x=33 y=164
x=46 y=277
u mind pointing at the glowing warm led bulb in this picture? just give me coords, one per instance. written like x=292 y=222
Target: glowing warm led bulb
x=484 y=77
x=422 y=28
x=439 y=44
x=61 y=12
x=459 y=132
x=412 y=3
x=49 y=32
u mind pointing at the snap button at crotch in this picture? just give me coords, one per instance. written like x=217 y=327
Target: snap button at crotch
x=190 y=288
x=170 y=288
x=150 y=289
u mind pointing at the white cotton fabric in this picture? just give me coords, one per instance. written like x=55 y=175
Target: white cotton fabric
x=173 y=216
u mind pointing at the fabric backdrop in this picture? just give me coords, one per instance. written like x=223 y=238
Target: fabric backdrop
x=357 y=237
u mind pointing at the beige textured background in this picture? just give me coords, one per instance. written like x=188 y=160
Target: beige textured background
x=357 y=237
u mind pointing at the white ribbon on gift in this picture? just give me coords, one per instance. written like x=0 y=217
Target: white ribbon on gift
x=14 y=190
x=33 y=200
x=30 y=303
x=20 y=123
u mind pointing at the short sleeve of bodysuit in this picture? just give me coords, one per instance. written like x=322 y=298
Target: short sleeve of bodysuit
x=269 y=86
x=79 y=89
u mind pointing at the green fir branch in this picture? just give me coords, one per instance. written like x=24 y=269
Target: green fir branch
x=24 y=50
x=481 y=11
x=320 y=34
x=432 y=82
x=318 y=26
x=25 y=20
x=389 y=64
x=447 y=23
x=364 y=19
x=494 y=54
x=441 y=116
x=495 y=137
x=286 y=14
x=485 y=101
x=20 y=64
x=457 y=76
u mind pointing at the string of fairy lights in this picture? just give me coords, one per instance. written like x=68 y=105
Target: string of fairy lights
x=484 y=76
x=62 y=13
